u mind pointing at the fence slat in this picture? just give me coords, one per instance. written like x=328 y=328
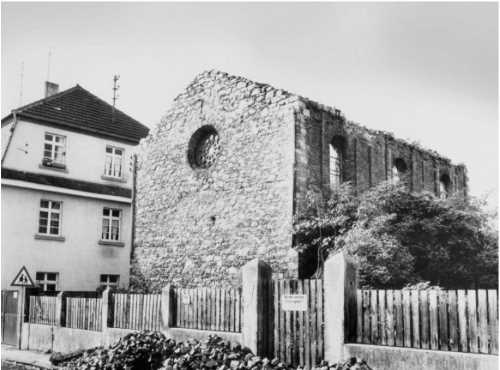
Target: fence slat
x=472 y=320
x=366 y=316
x=398 y=311
x=389 y=318
x=359 y=316
x=433 y=320
x=382 y=319
x=407 y=318
x=415 y=316
x=482 y=311
x=493 y=320
x=307 y=324
x=424 y=319
x=314 y=326
x=319 y=293
x=444 y=340
x=374 y=337
x=462 y=320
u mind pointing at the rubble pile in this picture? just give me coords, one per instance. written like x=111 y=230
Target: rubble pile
x=149 y=350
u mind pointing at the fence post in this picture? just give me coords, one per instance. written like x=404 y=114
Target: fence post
x=340 y=284
x=105 y=307
x=60 y=309
x=167 y=308
x=256 y=275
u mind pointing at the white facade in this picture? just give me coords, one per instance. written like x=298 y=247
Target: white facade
x=74 y=250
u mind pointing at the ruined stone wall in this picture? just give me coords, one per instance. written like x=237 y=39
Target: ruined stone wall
x=368 y=156
x=197 y=226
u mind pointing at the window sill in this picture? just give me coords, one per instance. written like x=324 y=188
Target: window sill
x=58 y=169
x=56 y=238
x=111 y=243
x=114 y=179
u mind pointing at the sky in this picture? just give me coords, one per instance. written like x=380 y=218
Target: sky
x=427 y=72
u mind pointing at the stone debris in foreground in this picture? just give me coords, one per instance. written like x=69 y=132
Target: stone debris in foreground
x=152 y=350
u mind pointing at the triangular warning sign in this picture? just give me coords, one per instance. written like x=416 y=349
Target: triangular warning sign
x=23 y=279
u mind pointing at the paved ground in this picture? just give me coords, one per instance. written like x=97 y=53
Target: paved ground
x=13 y=358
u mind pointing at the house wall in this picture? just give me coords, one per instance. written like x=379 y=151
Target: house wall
x=84 y=154
x=79 y=259
x=6 y=132
x=200 y=225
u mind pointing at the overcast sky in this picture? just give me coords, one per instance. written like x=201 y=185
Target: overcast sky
x=427 y=72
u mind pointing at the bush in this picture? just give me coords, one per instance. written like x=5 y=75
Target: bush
x=402 y=238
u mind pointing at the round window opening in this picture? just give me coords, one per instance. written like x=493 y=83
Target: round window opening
x=204 y=147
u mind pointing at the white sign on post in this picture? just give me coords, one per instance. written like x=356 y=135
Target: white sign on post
x=294 y=302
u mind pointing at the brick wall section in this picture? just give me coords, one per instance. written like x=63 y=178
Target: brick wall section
x=199 y=226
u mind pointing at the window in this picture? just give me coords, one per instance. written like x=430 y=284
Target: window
x=113 y=162
x=204 y=147
x=49 y=222
x=54 y=150
x=398 y=170
x=47 y=281
x=111 y=224
x=109 y=281
x=444 y=187
x=335 y=166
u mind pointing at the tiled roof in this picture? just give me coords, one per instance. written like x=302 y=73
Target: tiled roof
x=76 y=108
x=63 y=182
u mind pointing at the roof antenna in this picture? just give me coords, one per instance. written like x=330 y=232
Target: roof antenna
x=48 y=65
x=115 y=94
x=21 y=84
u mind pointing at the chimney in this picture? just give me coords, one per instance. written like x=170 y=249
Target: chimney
x=51 y=88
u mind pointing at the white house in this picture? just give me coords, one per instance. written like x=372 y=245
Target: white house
x=67 y=183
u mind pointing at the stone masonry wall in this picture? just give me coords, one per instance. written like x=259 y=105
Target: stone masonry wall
x=368 y=156
x=198 y=226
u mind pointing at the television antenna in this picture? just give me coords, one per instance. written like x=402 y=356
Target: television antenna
x=116 y=87
x=21 y=84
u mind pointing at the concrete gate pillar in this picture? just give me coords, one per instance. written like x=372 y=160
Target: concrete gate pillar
x=255 y=277
x=340 y=284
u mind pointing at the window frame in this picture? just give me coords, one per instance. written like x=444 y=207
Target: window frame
x=110 y=217
x=50 y=211
x=51 y=161
x=107 y=283
x=113 y=157
x=44 y=282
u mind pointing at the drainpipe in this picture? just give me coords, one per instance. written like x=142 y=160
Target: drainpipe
x=133 y=210
x=14 y=114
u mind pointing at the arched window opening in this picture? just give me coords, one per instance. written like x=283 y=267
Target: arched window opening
x=444 y=186
x=335 y=166
x=398 y=170
x=336 y=160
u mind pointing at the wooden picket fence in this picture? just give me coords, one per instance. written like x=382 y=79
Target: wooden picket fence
x=446 y=320
x=136 y=311
x=208 y=309
x=298 y=335
x=42 y=309
x=84 y=313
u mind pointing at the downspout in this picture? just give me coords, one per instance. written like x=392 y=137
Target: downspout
x=132 y=211
x=14 y=114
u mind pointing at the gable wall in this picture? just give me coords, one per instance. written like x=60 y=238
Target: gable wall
x=198 y=226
